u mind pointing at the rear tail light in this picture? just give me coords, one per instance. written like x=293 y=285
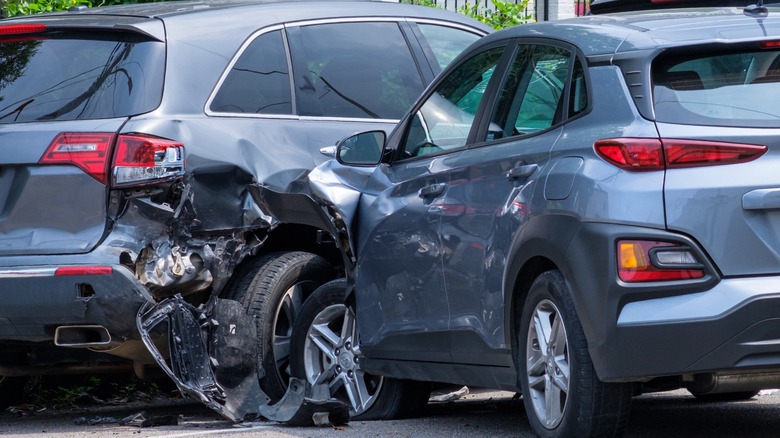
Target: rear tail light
x=143 y=159
x=645 y=154
x=646 y=260
x=89 y=151
x=138 y=159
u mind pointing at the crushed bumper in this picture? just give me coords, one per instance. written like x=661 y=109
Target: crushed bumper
x=212 y=357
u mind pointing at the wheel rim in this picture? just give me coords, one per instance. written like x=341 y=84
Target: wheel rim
x=547 y=364
x=332 y=356
x=286 y=314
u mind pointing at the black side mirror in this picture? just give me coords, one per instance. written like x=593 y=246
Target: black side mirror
x=361 y=149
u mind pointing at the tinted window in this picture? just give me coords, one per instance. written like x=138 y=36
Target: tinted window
x=446 y=42
x=731 y=89
x=445 y=119
x=259 y=82
x=75 y=76
x=361 y=70
x=532 y=98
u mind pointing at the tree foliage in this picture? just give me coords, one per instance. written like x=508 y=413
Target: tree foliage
x=503 y=14
x=12 y=8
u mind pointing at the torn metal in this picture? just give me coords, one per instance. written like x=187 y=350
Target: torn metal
x=213 y=358
x=210 y=350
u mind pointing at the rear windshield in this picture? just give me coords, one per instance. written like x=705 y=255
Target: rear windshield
x=78 y=77
x=726 y=89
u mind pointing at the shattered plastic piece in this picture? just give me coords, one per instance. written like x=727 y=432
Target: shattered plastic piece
x=303 y=402
x=452 y=396
x=143 y=419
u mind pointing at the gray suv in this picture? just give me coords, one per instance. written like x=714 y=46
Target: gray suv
x=580 y=211
x=130 y=137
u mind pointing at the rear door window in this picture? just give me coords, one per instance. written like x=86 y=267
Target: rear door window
x=259 y=81
x=79 y=76
x=724 y=89
x=354 y=70
x=532 y=100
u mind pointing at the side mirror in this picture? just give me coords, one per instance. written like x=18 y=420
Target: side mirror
x=361 y=149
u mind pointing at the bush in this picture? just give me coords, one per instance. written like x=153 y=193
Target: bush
x=12 y=8
x=505 y=15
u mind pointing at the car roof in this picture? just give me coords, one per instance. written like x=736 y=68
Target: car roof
x=226 y=13
x=651 y=30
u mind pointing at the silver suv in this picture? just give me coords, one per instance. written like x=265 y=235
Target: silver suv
x=130 y=137
x=580 y=211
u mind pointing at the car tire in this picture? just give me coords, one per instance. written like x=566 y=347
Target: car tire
x=561 y=392
x=11 y=390
x=325 y=349
x=724 y=397
x=273 y=288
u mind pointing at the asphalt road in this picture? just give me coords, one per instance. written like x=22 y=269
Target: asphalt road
x=479 y=414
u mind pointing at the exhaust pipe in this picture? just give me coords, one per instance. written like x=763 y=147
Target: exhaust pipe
x=81 y=336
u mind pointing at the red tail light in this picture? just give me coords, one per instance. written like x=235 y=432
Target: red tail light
x=138 y=159
x=640 y=154
x=18 y=29
x=89 y=151
x=645 y=260
x=143 y=159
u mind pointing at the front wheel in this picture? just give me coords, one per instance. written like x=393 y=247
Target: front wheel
x=561 y=392
x=325 y=349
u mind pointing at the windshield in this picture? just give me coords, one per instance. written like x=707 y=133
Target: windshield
x=76 y=77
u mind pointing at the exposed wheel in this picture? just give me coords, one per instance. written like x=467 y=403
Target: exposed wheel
x=326 y=349
x=11 y=390
x=562 y=395
x=725 y=396
x=273 y=289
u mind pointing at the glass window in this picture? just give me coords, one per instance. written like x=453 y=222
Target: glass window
x=445 y=119
x=78 y=76
x=259 y=82
x=357 y=70
x=532 y=98
x=446 y=42
x=727 y=89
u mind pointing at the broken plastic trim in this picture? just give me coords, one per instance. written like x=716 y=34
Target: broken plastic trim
x=213 y=359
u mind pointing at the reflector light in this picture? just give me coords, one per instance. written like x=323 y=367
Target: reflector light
x=635 y=262
x=141 y=159
x=88 y=151
x=644 y=154
x=18 y=29
x=770 y=44
x=83 y=270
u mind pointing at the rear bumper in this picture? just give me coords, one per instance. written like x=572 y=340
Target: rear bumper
x=643 y=330
x=38 y=299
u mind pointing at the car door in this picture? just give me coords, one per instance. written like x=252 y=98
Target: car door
x=489 y=194
x=403 y=300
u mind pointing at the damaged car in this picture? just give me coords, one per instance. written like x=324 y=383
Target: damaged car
x=132 y=138
x=579 y=211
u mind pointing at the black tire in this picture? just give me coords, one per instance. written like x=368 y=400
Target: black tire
x=11 y=390
x=273 y=288
x=386 y=398
x=724 y=397
x=557 y=405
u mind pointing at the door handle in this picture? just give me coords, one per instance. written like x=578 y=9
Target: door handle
x=432 y=190
x=521 y=171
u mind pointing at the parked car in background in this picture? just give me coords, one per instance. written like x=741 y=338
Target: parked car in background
x=580 y=211
x=129 y=136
